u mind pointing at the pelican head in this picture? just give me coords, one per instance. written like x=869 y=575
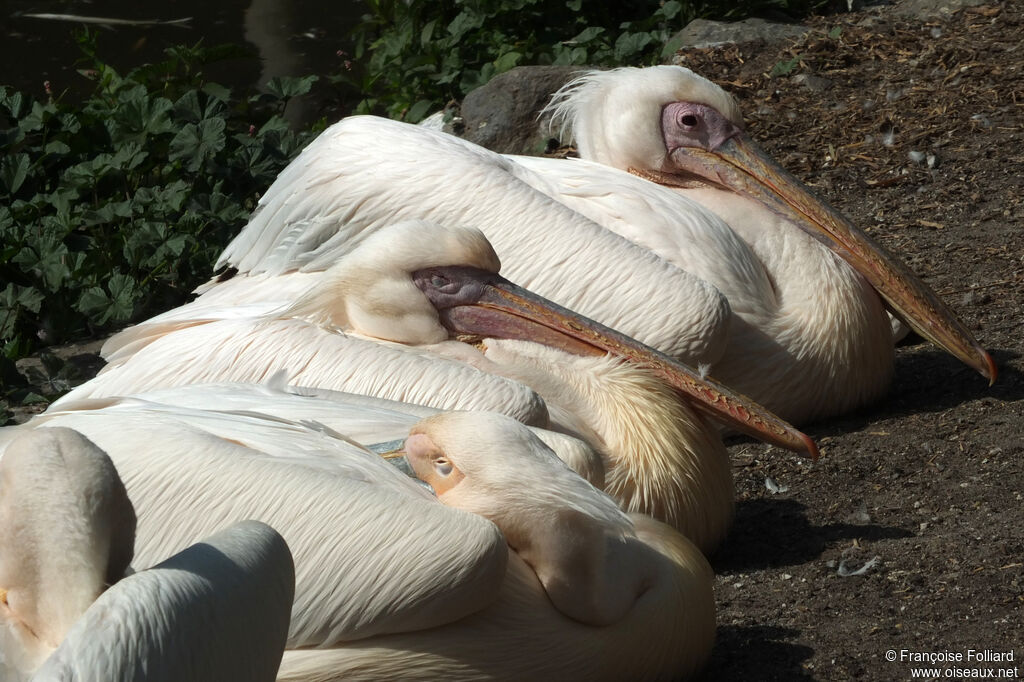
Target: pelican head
x=583 y=549
x=480 y=458
x=67 y=531
x=370 y=291
x=588 y=593
x=421 y=283
x=671 y=126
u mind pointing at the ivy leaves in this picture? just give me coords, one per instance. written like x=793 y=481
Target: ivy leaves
x=117 y=207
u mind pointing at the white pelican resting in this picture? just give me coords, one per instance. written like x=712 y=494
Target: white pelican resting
x=390 y=584
x=378 y=424
x=216 y=611
x=458 y=336
x=634 y=578
x=774 y=313
x=821 y=312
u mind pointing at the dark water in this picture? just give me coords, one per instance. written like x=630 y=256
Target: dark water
x=285 y=37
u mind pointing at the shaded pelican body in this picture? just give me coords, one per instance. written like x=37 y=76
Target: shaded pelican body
x=218 y=610
x=445 y=572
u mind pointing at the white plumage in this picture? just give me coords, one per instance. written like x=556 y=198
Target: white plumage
x=372 y=324
x=717 y=270
x=218 y=610
x=335 y=194
x=390 y=583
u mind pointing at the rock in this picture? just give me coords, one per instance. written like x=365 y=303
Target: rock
x=928 y=9
x=704 y=33
x=812 y=82
x=503 y=114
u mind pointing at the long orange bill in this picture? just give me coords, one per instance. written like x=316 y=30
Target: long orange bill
x=740 y=165
x=480 y=304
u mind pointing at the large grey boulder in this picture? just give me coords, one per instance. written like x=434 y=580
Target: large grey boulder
x=502 y=115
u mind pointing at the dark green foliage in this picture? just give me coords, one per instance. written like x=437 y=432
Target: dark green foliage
x=117 y=208
x=416 y=55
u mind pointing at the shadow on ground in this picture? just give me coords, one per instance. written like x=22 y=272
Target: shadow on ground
x=767 y=654
x=770 y=533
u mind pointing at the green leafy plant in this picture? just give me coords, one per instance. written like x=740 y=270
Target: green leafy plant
x=414 y=56
x=117 y=207
x=785 y=67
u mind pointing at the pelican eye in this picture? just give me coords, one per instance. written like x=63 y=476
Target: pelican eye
x=438 y=281
x=442 y=466
x=689 y=120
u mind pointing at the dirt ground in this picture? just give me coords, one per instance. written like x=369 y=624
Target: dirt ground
x=916 y=133
x=917 y=136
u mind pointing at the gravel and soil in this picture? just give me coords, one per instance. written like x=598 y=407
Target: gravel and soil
x=913 y=129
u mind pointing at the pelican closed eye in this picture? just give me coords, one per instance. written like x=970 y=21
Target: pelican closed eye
x=448 y=287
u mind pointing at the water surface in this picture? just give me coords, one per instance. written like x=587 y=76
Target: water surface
x=285 y=37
